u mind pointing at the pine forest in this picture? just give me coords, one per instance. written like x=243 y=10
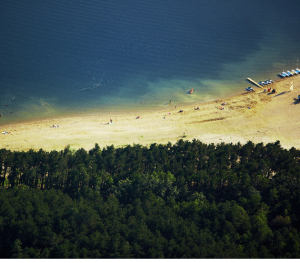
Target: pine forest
x=183 y=200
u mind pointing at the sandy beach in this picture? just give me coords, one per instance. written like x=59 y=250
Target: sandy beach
x=257 y=116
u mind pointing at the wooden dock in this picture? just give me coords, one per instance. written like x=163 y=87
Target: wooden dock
x=255 y=83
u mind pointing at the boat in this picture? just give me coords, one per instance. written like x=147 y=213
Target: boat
x=283 y=74
x=286 y=74
x=289 y=73
x=297 y=70
x=294 y=72
x=249 y=89
x=191 y=91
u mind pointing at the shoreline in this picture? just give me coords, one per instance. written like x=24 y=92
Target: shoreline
x=270 y=118
x=180 y=99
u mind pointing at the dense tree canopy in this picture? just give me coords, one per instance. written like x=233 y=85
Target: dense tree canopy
x=187 y=200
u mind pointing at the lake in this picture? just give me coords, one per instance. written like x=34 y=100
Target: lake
x=69 y=57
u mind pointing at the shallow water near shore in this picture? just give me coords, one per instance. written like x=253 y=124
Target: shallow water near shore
x=60 y=59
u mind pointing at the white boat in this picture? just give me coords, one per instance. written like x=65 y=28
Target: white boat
x=294 y=72
x=289 y=73
x=283 y=74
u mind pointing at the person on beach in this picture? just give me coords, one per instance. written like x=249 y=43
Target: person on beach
x=110 y=120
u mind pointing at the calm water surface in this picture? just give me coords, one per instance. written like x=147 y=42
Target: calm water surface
x=68 y=57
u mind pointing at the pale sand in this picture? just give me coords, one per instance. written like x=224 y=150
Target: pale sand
x=272 y=117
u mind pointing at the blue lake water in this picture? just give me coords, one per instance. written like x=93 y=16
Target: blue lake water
x=67 y=57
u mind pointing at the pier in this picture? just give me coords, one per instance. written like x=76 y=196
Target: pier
x=255 y=83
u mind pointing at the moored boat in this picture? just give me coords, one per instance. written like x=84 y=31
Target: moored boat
x=294 y=72
x=266 y=82
x=249 y=89
x=283 y=74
